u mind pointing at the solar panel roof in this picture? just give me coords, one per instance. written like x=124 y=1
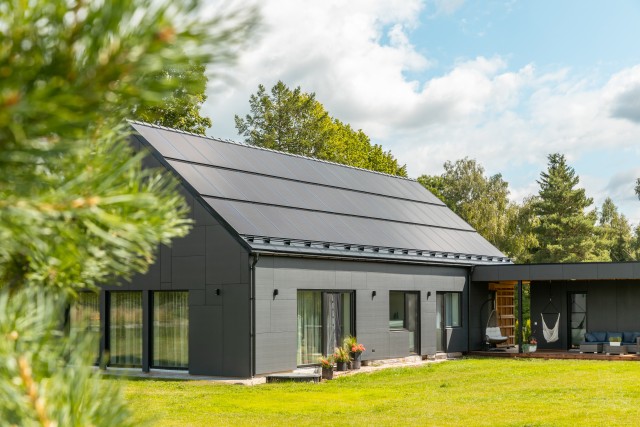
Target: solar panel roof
x=270 y=196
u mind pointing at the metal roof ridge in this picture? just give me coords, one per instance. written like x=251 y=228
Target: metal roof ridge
x=242 y=144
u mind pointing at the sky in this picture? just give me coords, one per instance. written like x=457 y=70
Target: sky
x=503 y=82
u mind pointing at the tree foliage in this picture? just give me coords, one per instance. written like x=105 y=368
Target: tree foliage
x=615 y=233
x=76 y=207
x=566 y=231
x=180 y=110
x=483 y=202
x=295 y=122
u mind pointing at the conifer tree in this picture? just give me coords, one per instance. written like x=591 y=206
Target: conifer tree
x=566 y=230
x=615 y=232
x=76 y=206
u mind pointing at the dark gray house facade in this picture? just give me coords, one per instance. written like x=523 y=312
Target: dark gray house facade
x=287 y=256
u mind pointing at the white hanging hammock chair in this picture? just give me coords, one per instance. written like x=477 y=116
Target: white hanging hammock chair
x=550 y=334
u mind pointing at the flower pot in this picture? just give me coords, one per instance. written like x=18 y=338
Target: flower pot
x=355 y=360
x=341 y=366
x=529 y=348
x=327 y=373
x=614 y=344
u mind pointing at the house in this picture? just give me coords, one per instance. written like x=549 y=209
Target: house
x=290 y=254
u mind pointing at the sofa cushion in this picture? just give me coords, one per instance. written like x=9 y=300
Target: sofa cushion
x=630 y=337
x=614 y=334
x=600 y=336
x=590 y=337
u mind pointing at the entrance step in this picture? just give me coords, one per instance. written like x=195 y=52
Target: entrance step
x=445 y=356
x=301 y=375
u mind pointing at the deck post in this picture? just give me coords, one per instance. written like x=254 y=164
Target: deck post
x=519 y=332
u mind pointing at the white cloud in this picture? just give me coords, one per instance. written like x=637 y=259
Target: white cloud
x=356 y=56
x=446 y=7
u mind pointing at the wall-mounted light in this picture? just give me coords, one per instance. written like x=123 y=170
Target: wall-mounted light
x=428 y=294
x=275 y=293
x=373 y=294
x=217 y=291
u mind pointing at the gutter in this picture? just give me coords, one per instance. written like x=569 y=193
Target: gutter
x=353 y=257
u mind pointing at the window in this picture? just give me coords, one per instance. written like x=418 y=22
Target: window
x=84 y=315
x=171 y=329
x=453 y=309
x=125 y=328
x=404 y=315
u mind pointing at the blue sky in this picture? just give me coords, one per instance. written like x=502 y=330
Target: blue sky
x=503 y=82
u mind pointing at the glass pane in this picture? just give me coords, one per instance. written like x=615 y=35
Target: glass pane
x=412 y=321
x=577 y=318
x=125 y=328
x=347 y=328
x=84 y=315
x=439 y=324
x=309 y=327
x=396 y=310
x=171 y=329
x=332 y=321
x=452 y=309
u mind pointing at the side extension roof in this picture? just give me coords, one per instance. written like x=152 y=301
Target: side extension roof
x=280 y=202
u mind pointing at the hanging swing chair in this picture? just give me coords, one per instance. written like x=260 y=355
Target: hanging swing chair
x=493 y=335
x=550 y=334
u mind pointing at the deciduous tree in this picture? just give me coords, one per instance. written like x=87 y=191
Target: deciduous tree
x=295 y=122
x=181 y=109
x=483 y=202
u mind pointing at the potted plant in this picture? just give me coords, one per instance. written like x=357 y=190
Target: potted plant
x=615 y=341
x=355 y=350
x=327 y=367
x=342 y=358
x=529 y=342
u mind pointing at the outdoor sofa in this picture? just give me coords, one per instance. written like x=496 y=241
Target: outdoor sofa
x=594 y=341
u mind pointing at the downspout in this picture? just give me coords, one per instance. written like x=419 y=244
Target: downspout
x=469 y=275
x=252 y=299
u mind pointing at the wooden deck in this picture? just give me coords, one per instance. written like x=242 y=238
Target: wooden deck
x=555 y=354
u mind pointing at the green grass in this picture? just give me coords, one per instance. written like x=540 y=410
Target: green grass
x=470 y=392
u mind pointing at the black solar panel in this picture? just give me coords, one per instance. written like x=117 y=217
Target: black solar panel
x=266 y=193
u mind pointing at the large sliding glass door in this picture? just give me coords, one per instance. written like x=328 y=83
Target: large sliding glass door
x=577 y=318
x=324 y=320
x=125 y=328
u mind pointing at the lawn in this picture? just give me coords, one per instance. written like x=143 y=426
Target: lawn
x=510 y=392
